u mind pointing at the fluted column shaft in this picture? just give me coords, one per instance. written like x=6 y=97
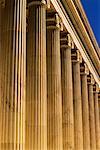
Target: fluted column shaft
x=91 y=117
x=67 y=99
x=97 y=123
x=13 y=54
x=85 y=112
x=6 y=62
x=36 y=102
x=78 y=133
x=54 y=102
x=99 y=106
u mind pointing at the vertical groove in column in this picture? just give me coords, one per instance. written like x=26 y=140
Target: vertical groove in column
x=16 y=50
x=97 y=123
x=78 y=133
x=54 y=102
x=67 y=98
x=36 y=115
x=23 y=76
x=1 y=72
x=30 y=82
x=99 y=105
x=6 y=53
x=85 y=112
x=13 y=83
x=19 y=73
x=91 y=117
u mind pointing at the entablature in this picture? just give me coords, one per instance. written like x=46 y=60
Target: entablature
x=86 y=47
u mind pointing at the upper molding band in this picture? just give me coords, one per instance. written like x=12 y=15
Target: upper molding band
x=67 y=23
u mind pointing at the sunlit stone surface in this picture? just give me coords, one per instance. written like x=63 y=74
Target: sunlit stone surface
x=49 y=77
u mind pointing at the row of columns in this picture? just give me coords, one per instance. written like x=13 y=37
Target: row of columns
x=62 y=125
x=70 y=104
x=60 y=110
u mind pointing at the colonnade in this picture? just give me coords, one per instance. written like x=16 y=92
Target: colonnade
x=49 y=98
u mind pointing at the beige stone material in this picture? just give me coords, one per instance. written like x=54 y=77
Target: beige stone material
x=54 y=94
x=99 y=104
x=36 y=95
x=13 y=58
x=96 y=112
x=91 y=113
x=48 y=97
x=5 y=86
x=67 y=93
x=85 y=107
x=78 y=131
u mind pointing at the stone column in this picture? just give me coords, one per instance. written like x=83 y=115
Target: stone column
x=67 y=92
x=99 y=104
x=5 y=56
x=1 y=75
x=54 y=102
x=91 y=113
x=96 y=112
x=13 y=45
x=78 y=132
x=85 y=107
x=36 y=96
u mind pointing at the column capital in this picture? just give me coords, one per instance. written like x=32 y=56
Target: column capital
x=96 y=88
x=84 y=68
x=99 y=95
x=2 y=3
x=39 y=2
x=54 y=21
x=76 y=56
x=90 y=79
x=66 y=40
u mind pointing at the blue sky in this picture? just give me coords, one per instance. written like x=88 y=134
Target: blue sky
x=92 y=9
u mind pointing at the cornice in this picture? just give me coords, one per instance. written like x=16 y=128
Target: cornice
x=81 y=29
x=71 y=29
x=87 y=24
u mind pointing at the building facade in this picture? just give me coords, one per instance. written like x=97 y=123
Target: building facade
x=49 y=77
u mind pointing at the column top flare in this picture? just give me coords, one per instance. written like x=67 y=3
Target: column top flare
x=84 y=68
x=65 y=40
x=2 y=3
x=96 y=88
x=39 y=2
x=76 y=55
x=53 y=21
x=90 y=79
x=99 y=95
